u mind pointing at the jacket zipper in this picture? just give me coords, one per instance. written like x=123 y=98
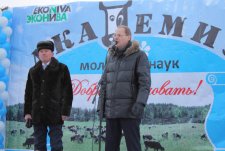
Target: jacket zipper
x=115 y=77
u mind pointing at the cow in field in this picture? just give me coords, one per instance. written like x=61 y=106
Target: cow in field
x=22 y=131
x=176 y=136
x=13 y=132
x=165 y=135
x=78 y=138
x=29 y=142
x=147 y=137
x=154 y=145
x=204 y=137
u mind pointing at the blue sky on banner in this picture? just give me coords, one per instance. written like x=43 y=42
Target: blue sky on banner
x=193 y=56
x=187 y=48
x=21 y=3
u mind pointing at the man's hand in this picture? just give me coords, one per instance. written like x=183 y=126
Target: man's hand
x=64 y=117
x=28 y=120
x=138 y=109
x=27 y=117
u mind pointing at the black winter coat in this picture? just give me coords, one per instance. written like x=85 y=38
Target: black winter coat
x=48 y=93
x=126 y=80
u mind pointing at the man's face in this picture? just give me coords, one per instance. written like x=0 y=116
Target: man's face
x=121 y=38
x=45 y=55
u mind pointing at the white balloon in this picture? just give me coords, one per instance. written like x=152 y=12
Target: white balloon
x=3 y=21
x=3 y=53
x=2 y=127
x=4 y=96
x=2 y=86
x=7 y=71
x=5 y=63
x=7 y=30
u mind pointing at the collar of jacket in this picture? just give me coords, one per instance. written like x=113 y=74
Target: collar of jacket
x=134 y=47
x=52 y=64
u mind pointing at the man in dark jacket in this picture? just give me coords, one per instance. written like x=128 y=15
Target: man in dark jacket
x=125 y=86
x=48 y=98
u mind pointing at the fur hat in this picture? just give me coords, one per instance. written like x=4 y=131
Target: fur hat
x=45 y=45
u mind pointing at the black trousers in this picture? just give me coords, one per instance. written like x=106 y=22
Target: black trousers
x=40 y=135
x=131 y=132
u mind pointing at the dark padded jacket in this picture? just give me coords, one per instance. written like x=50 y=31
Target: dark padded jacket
x=126 y=80
x=48 y=93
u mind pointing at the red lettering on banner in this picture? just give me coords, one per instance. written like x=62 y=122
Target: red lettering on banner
x=84 y=87
x=165 y=89
x=200 y=83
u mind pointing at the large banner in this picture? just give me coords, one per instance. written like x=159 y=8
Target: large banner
x=184 y=42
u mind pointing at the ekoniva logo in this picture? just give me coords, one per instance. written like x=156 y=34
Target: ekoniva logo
x=49 y=14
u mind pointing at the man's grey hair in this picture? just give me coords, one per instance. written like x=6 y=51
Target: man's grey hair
x=126 y=28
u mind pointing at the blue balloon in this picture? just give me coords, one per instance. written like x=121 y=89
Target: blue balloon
x=1 y=145
x=7 y=14
x=3 y=119
x=9 y=23
x=1 y=141
x=2 y=71
x=3 y=111
x=6 y=46
x=5 y=79
x=1 y=104
x=1 y=138
x=3 y=37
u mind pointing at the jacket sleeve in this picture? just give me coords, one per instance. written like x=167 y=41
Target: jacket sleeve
x=102 y=91
x=28 y=96
x=67 y=92
x=102 y=94
x=143 y=78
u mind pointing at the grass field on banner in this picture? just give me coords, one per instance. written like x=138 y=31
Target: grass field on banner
x=179 y=137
